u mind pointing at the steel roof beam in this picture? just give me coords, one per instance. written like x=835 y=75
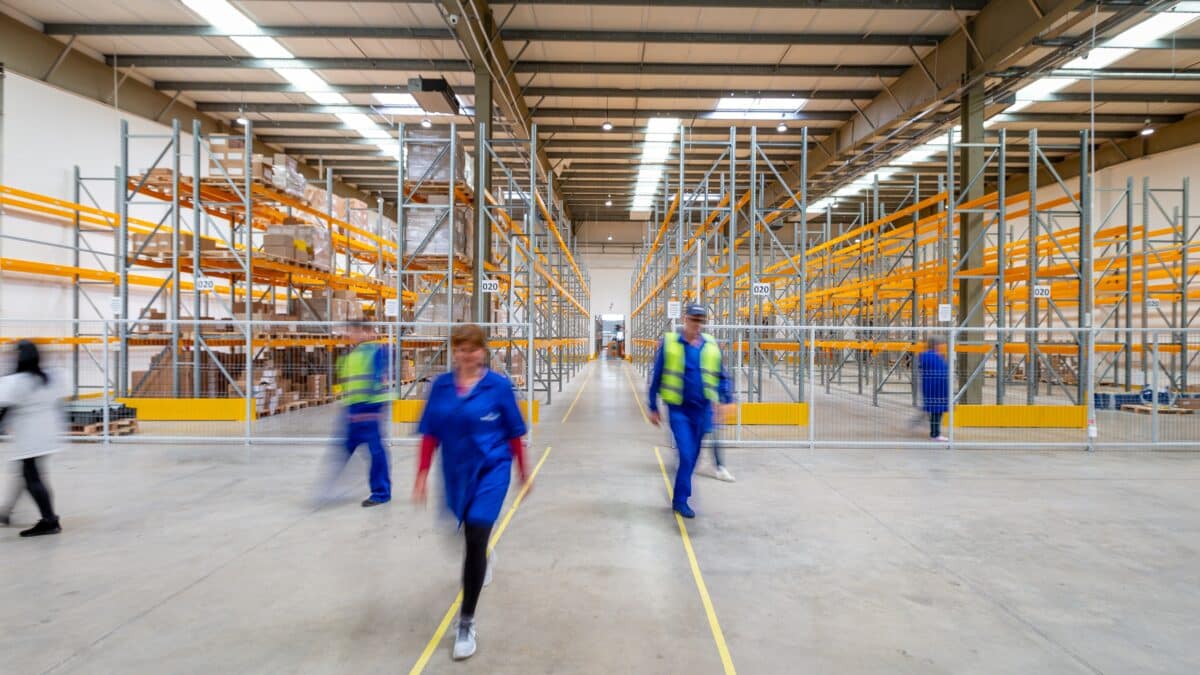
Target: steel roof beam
x=524 y=67
x=530 y=92
x=510 y=34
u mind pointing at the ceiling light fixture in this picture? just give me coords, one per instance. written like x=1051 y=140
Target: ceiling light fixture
x=1147 y=130
x=608 y=202
x=782 y=127
x=610 y=237
x=425 y=123
x=243 y=121
x=607 y=126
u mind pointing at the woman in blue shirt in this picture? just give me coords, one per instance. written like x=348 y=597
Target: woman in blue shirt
x=472 y=414
x=935 y=385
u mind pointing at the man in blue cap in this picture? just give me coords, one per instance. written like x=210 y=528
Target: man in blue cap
x=690 y=378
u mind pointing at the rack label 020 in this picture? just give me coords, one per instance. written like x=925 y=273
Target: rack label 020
x=490 y=286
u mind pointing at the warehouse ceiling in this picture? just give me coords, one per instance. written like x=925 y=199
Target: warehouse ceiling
x=850 y=71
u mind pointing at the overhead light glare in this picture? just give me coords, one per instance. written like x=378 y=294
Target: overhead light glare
x=782 y=127
x=607 y=126
x=262 y=47
x=425 y=123
x=223 y=16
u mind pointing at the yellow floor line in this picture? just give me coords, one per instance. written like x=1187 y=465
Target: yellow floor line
x=581 y=387
x=636 y=398
x=718 y=635
x=448 y=618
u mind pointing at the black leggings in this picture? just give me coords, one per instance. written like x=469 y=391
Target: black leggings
x=37 y=489
x=474 y=566
x=935 y=425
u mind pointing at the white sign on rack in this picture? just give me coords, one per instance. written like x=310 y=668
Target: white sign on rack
x=205 y=284
x=490 y=286
x=761 y=290
x=114 y=304
x=391 y=307
x=1153 y=303
x=945 y=312
x=1041 y=291
x=674 y=308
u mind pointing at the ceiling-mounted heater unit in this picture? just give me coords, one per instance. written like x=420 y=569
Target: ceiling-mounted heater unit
x=434 y=95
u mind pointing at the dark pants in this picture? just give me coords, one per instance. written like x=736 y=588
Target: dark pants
x=36 y=487
x=718 y=455
x=474 y=565
x=935 y=424
x=367 y=432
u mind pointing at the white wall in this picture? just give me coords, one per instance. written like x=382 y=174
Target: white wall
x=611 y=278
x=47 y=132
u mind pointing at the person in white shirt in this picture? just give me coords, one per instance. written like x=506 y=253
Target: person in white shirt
x=34 y=415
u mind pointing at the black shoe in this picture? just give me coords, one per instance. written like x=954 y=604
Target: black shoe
x=5 y=520
x=367 y=503
x=43 y=527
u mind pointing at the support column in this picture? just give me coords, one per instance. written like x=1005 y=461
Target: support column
x=970 y=229
x=482 y=250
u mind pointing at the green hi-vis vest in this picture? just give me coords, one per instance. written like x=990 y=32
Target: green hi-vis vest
x=671 y=385
x=356 y=376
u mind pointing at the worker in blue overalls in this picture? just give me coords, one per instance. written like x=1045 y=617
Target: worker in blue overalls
x=363 y=383
x=472 y=415
x=690 y=378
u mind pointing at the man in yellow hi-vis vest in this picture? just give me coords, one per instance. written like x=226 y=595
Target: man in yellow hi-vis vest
x=363 y=385
x=690 y=378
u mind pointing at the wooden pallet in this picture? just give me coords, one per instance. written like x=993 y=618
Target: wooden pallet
x=1162 y=410
x=123 y=427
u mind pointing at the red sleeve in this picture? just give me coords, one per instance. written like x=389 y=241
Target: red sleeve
x=428 y=445
x=518 y=452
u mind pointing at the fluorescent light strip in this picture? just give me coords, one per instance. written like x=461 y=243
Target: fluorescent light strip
x=223 y=16
x=1158 y=26
x=248 y=36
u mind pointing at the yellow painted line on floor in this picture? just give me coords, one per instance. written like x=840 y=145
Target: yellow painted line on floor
x=635 y=395
x=585 y=381
x=448 y=618
x=718 y=635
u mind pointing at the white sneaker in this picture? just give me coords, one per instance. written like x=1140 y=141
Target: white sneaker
x=487 y=576
x=464 y=642
x=941 y=439
x=721 y=473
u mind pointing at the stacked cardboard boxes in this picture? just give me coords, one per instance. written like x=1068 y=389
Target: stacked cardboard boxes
x=432 y=223
x=428 y=159
x=159 y=245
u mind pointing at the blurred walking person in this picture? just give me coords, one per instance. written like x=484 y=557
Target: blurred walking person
x=935 y=385
x=33 y=412
x=363 y=382
x=690 y=378
x=472 y=415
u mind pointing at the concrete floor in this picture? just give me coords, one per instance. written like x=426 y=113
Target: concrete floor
x=211 y=559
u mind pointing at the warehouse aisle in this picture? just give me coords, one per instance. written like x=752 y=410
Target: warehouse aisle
x=188 y=559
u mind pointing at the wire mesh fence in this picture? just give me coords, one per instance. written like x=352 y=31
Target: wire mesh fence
x=155 y=380
x=855 y=386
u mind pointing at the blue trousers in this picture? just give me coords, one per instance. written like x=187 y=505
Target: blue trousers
x=687 y=426
x=358 y=433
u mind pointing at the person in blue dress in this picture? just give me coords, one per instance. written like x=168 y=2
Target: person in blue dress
x=472 y=415
x=935 y=385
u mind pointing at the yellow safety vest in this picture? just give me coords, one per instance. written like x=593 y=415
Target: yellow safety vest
x=670 y=387
x=356 y=376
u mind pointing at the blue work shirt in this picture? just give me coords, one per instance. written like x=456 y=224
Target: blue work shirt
x=693 y=384
x=935 y=381
x=474 y=431
x=380 y=373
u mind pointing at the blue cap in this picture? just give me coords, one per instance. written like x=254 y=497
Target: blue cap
x=696 y=309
